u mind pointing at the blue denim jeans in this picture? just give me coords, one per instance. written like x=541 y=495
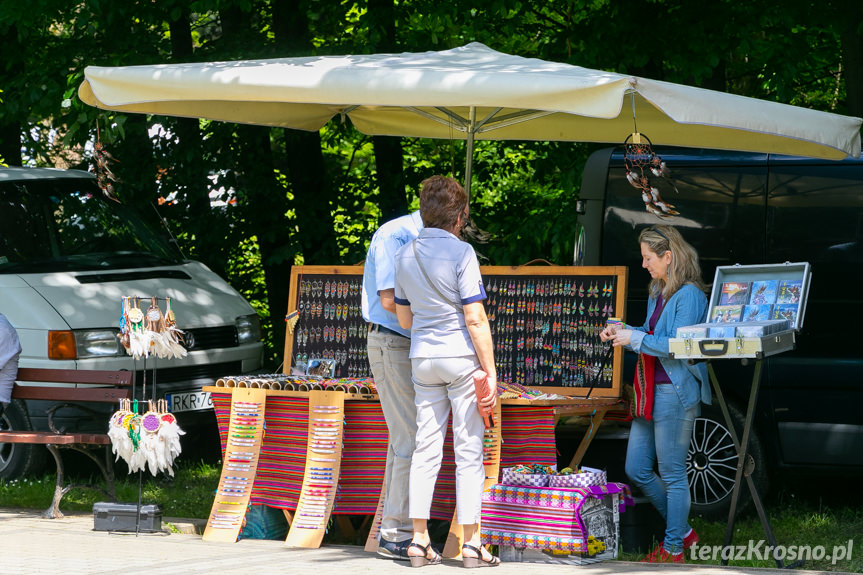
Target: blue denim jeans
x=664 y=439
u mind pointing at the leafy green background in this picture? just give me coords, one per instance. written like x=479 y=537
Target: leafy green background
x=316 y=198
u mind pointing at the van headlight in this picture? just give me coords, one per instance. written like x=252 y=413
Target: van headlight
x=83 y=343
x=248 y=329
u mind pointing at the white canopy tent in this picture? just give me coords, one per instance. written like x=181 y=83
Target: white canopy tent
x=471 y=92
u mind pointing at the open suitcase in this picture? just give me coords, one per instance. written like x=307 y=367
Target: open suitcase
x=754 y=311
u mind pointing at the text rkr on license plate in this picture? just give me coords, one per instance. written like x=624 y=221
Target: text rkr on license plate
x=189 y=401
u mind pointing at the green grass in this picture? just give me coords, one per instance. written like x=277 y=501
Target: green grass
x=188 y=494
x=795 y=523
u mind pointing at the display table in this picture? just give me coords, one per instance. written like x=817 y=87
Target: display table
x=527 y=434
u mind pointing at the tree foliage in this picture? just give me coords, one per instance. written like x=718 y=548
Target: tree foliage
x=293 y=197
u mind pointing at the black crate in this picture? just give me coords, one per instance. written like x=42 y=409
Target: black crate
x=122 y=516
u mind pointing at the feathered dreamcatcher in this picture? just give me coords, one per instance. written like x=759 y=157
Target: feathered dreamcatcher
x=645 y=170
x=104 y=175
x=144 y=441
x=151 y=333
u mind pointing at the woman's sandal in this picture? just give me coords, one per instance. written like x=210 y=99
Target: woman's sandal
x=424 y=559
x=479 y=560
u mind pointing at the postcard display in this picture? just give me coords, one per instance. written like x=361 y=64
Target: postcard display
x=545 y=323
x=755 y=311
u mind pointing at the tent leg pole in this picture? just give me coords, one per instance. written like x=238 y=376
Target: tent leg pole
x=468 y=162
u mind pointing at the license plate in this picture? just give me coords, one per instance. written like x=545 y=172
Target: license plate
x=189 y=401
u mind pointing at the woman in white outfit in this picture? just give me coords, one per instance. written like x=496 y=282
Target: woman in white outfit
x=438 y=296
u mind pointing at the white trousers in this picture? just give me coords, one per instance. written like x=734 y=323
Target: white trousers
x=442 y=384
x=391 y=368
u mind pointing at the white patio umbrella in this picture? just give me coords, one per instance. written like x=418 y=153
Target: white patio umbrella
x=471 y=92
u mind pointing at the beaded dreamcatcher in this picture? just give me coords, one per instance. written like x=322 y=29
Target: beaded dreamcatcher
x=104 y=175
x=124 y=441
x=151 y=333
x=144 y=441
x=161 y=437
x=641 y=162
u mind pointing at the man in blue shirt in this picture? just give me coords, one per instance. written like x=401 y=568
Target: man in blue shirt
x=10 y=349
x=388 y=353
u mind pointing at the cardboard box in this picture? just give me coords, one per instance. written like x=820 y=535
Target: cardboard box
x=122 y=517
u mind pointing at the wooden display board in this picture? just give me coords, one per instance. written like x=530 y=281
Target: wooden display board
x=245 y=437
x=545 y=323
x=323 y=464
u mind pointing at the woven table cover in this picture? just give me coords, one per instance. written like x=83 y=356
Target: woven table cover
x=527 y=431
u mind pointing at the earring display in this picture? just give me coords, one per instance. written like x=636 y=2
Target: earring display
x=546 y=329
x=240 y=463
x=545 y=324
x=323 y=465
x=330 y=324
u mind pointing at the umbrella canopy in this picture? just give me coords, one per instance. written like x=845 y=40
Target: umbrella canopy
x=469 y=92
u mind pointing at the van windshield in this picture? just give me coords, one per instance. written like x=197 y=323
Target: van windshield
x=66 y=224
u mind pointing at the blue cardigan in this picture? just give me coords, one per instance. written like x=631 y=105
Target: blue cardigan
x=687 y=306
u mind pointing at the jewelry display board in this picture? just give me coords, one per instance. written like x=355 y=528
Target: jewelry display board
x=323 y=463
x=240 y=463
x=545 y=323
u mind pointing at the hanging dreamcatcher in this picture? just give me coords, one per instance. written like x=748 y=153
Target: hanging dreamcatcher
x=645 y=170
x=151 y=333
x=123 y=444
x=144 y=441
x=124 y=430
x=641 y=163
x=104 y=175
x=160 y=437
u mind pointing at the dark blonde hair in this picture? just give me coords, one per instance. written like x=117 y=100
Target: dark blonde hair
x=442 y=200
x=683 y=269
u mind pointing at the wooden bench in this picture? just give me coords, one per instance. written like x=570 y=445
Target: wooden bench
x=89 y=387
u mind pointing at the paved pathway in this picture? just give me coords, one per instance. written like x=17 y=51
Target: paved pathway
x=30 y=545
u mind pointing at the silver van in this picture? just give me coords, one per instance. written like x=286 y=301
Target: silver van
x=68 y=255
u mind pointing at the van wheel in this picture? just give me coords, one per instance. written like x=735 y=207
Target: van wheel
x=711 y=464
x=19 y=459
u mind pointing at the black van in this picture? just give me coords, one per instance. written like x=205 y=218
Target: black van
x=755 y=209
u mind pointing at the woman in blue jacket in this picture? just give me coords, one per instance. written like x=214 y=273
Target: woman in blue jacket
x=662 y=426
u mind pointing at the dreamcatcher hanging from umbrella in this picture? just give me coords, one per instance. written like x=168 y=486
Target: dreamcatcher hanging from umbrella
x=645 y=170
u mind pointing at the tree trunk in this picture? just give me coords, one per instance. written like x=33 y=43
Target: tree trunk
x=10 y=143
x=314 y=192
x=10 y=127
x=852 y=58
x=314 y=197
x=389 y=164
x=265 y=208
x=188 y=152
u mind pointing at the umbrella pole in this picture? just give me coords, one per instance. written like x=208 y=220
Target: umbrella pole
x=468 y=161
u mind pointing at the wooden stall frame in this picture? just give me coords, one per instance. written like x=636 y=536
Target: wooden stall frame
x=488 y=272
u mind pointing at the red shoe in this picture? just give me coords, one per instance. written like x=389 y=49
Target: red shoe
x=660 y=555
x=690 y=539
